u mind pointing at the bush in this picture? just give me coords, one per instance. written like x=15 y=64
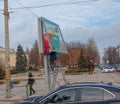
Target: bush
x=1 y=82
x=2 y=73
x=16 y=82
x=78 y=71
x=14 y=71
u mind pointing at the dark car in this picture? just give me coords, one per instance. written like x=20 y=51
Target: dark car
x=80 y=93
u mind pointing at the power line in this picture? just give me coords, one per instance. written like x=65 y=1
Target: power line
x=26 y=8
x=48 y=5
x=32 y=7
x=62 y=19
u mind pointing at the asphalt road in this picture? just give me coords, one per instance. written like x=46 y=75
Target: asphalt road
x=97 y=76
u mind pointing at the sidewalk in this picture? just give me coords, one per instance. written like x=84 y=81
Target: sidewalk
x=19 y=91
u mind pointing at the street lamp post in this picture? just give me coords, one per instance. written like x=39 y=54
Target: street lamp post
x=7 y=57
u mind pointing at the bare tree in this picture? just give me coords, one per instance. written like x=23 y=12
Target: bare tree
x=92 y=51
x=74 y=51
x=34 y=56
x=109 y=55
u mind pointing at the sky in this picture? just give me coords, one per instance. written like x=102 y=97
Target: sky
x=79 y=20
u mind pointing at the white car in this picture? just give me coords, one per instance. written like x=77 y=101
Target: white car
x=106 y=69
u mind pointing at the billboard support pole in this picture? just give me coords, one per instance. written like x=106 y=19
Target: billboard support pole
x=47 y=74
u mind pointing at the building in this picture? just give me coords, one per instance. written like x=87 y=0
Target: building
x=117 y=54
x=12 y=54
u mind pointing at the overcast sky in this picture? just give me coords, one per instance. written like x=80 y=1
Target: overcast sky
x=78 y=20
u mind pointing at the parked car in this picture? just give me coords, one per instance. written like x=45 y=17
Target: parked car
x=108 y=69
x=101 y=66
x=80 y=93
x=117 y=68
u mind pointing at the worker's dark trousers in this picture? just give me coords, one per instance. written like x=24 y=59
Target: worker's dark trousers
x=32 y=91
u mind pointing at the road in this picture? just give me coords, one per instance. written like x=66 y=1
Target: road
x=97 y=76
x=19 y=90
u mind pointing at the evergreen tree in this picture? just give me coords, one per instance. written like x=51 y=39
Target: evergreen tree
x=21 y=61
x=82 y=62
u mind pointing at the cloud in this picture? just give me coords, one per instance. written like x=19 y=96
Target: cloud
x=99 y=19
x=104 y=36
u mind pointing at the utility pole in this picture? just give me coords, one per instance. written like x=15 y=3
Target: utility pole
x=7 y=57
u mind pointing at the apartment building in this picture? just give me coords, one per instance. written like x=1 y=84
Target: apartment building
x=12 y=54
x=117 y=54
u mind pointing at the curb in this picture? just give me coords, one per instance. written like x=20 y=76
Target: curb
x=12 y=99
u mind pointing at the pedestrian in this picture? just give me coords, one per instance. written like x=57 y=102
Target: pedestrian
x=31 y=81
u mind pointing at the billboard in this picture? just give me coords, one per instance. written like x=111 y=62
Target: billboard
x=50 y=37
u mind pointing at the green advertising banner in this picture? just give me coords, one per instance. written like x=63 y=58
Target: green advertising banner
x=55 y=43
